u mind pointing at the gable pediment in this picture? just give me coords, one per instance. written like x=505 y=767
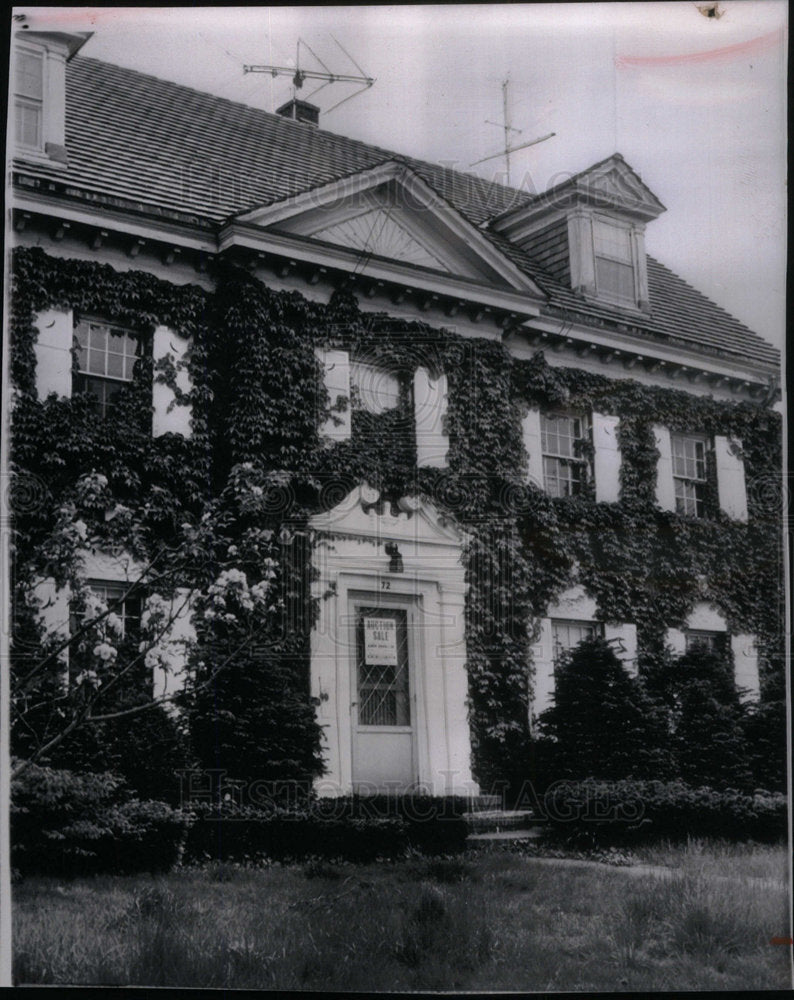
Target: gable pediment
x=391 y=213
x=618 y=187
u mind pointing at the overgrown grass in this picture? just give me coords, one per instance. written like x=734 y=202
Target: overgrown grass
x=497 y=921
x=718 y=857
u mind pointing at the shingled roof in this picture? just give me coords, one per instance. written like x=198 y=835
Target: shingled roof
x=162 y=147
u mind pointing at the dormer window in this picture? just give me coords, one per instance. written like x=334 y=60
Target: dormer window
x=39 y=80
x=614 y=262
x=589 y=233
x=29 y=99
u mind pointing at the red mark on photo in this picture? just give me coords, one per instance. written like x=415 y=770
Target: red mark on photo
x=781 y=940
x=727 y=53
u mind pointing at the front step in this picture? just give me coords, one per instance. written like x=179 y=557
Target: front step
x=498 y=820
x=484 y=803
x=499 y=838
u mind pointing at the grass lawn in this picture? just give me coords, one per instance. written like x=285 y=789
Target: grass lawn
x=490 y=921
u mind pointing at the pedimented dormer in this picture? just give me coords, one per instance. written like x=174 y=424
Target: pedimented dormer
x=589 y=232
x=38 y=79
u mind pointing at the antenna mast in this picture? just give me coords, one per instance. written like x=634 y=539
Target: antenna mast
x=299 y=76
x=508 y=128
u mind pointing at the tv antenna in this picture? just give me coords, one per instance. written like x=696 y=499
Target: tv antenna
x=508 y=128
x=299 y=75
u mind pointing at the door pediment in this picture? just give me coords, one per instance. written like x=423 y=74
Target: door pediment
x=418 y=524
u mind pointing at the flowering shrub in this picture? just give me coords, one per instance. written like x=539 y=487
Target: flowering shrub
x=64 y=823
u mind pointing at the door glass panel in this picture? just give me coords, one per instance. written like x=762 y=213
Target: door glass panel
x=382 y=667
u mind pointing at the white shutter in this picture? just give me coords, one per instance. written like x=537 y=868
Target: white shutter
x=665 y=492
x=170 y=678
x=676 y=638
x=170 y=416
x=53 y=615
x=543 y=661
x=607 y=458
x=336 y=377
x=745 y=666
x=626 y=645
x=530 y=433
x=430 y=408
x=730 y=478
x=53 y=349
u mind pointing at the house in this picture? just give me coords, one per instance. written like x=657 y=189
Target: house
x=538 y=433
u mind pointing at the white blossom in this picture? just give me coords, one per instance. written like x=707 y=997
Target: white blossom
x=105 y=652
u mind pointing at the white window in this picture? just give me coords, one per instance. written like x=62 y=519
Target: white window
x=106 y=358
x=614 y=262
x=563 y=438
x=29 y=98
x=127 y=609
x=712 y=642
x=566 y=634
x=689 y=473
x=374 y=389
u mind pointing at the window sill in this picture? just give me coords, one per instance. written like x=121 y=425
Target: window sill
x=53 y=157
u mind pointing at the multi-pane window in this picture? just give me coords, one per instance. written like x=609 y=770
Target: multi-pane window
x=127 y=609
x=106 y=357
x=689 y=473
x=566 y=634
x=375 y=389
x=712 y=642
x=562 y=438
x=29 y=98
x=614 y=262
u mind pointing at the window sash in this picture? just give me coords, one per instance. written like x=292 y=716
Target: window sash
x=106 y=356
x=27 y=122
x=689 y=473
x=567 y=633
x=377 y=389
x=30 y=75
x=714 y=642
x=564 y=466
x=615 y=279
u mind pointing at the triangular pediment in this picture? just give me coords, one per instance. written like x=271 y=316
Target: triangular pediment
x=619 y=187
x=390 y=213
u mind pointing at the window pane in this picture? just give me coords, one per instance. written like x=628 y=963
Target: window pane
x=566 y=635
x=115 y=365
x=96 y=362
x=615 y=279
x=27 y=124
x=612 y=241
x=30 y=75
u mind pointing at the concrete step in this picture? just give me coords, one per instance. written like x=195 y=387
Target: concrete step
x=498 y=819
x=499 y=838
x=484 y=803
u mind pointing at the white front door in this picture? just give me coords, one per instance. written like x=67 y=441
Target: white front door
x=384 y=706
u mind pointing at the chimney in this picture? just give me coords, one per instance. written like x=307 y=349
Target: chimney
x=300 y=111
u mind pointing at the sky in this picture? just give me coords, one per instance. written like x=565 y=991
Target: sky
x=695 y=104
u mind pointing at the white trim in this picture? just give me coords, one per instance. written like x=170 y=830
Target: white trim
x=415 y=189
x=731 y=487
x=665 y=487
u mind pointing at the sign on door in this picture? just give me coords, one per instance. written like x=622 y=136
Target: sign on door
x=380 y=642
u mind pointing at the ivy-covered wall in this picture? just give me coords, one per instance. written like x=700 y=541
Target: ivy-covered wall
x=258 y=398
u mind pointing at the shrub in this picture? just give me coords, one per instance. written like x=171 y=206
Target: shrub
x=68 y=824
x=602 y=724
x=596 y=812
x=355 y=828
